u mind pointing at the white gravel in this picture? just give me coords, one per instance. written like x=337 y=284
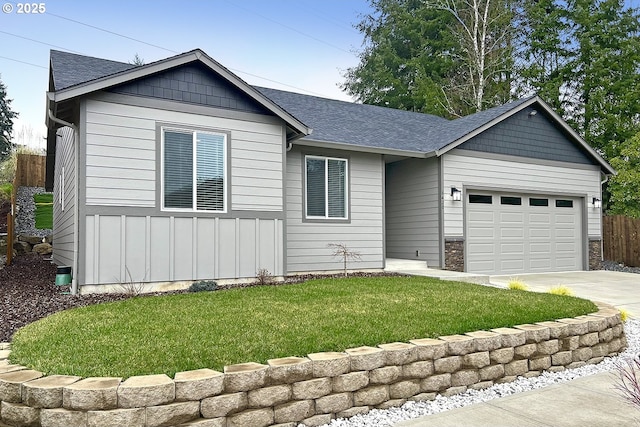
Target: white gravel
x=25 y=219
x=383 y=418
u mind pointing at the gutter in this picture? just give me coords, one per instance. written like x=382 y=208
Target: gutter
x=74 y=280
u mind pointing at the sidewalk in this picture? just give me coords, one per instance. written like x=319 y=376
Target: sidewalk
x=583 y=402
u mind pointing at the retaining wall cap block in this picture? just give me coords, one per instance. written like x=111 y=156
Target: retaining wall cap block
x=429 y=348
x=556 y=329
x=17 y=414
x=117 y=418
x=511 y=337
x=198 y=384
x=10 y=383
x=46 y=392
x=289 y=369
x=485 y=340
x=458 y=345
x=596 y=323
x=534 y=333
x=576 y=326
x=366 y=358
x=329 y=364
x=59 y=417
x=146 y=390
x=11 y=368
x=244 y=377
x=251 y=418
x=95 y=393
x=399 y=353
x=172 y=414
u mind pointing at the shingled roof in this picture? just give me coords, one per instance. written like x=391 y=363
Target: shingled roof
x=69 y=69
x=343 y=124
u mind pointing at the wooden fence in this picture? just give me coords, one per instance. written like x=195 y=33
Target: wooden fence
x=621 y=239
x=30 y=172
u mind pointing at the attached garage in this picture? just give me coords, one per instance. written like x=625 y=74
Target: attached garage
x=512 y=233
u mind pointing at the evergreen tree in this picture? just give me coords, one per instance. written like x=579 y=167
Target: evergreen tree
x=6 y=123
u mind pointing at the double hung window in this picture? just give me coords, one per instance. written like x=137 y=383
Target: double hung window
x=194 y=170
x=326 y=188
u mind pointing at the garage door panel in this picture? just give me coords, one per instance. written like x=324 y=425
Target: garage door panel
x=513 y=239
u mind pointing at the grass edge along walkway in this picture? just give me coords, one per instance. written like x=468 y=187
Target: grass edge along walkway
x=169 y=334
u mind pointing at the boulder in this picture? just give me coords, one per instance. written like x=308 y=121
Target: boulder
x=43 y=249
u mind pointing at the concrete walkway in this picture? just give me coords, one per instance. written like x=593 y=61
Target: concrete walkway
x=587 y=401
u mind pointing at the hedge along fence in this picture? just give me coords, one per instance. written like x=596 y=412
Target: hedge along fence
x=313 y=389
x=621 y=239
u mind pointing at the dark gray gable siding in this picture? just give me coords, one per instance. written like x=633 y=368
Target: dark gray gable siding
x=195 y=84
x=528 y=136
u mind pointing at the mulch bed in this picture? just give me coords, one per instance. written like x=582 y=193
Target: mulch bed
x=28 y=293
x=5 y=208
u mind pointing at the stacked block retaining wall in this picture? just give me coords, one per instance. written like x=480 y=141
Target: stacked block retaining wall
x=313 y=389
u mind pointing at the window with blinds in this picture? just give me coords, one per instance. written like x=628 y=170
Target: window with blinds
x=193 y=170
x=326 y=187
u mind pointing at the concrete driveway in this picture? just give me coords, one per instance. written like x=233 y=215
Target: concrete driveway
x=619 y=289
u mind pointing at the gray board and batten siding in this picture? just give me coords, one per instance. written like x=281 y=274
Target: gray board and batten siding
x=412 y=210
x=64 y=197
x=125 y=236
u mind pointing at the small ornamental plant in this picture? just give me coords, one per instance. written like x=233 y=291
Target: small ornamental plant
x=517 y=285
x=624 y=314
x=561 y=290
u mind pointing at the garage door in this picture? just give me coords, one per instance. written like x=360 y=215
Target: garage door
x=518 y=233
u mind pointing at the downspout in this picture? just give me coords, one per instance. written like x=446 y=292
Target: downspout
x=74 y=280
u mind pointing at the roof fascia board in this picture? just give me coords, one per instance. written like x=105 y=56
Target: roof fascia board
x=159 y=66
x=484 y=127
x=362 y=149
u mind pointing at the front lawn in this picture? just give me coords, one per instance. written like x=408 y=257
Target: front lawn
x=168 y=334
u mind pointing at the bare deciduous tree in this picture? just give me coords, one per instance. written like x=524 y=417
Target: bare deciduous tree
x=341 y=250
x=484 y=33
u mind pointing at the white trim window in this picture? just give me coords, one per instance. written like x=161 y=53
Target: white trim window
x=326 y=187
x=194 y=170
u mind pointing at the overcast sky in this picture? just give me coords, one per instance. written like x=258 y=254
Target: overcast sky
x=297 y=45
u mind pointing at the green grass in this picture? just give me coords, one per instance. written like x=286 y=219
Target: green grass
x=168 y=334
x=44 y=210
x=5 y=191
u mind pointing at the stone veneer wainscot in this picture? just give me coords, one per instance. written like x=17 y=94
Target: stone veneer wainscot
x=313 y=389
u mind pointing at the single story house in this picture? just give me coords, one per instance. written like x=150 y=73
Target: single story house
x=178 y=170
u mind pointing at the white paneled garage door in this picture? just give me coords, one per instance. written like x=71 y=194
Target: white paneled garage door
x=519 y=233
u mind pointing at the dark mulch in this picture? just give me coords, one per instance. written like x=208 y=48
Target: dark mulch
x=5 y=208
x=28 y=293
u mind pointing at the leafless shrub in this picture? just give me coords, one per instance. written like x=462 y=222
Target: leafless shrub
x=132 y=287
x=264 y=277
x=341 y=250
